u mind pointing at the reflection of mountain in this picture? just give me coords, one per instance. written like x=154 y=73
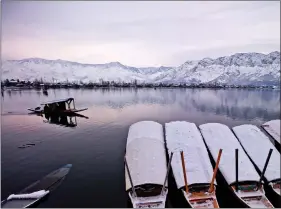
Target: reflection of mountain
x=234 y=103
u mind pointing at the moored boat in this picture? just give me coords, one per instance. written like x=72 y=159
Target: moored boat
x=63 y=106
x=34 y=193
x=249 y=135
x=237 y=170
x=146 y=165
x=191 y=165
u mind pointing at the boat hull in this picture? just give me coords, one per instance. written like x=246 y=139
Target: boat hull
x=253 y=198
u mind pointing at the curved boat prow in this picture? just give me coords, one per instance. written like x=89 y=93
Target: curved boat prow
x=36 y=191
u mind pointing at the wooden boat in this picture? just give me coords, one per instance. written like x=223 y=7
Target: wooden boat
x=249 y=135
x=32 y=194
x=62 y=106
x=192 y=164
x=273 y=129
x=145 y=165
x=244 y=183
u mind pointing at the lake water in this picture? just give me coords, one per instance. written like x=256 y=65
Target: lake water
x=96 y=146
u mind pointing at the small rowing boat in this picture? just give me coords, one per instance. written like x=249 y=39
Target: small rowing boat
x=37 y=191
x=58 y=107
x=249 y=135
x=146 y=165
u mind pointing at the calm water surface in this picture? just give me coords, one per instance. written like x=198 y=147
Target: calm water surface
x=96 y=146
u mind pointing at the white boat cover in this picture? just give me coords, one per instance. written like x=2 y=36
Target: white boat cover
x=257 y=146
x=146 y=154
x=273 y=128
x=185 y=136
x=218 y=136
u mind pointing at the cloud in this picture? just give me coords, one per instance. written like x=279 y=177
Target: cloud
x=137 y=33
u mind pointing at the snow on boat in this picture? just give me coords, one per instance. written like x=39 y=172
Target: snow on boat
x=273 y=128
x=37 y=191
x=185 y=136
x=62 y=106
x=243 y=182
x=257 y=146
x=146 y=165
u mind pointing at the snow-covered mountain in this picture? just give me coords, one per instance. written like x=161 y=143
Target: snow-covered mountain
x=240 y=68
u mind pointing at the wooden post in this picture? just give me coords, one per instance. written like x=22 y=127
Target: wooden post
x=168 y=169
x=73 y=104
x=236 y=170
x=130 y=177
x=184 y=172
x=265 y=166
x=211 y=189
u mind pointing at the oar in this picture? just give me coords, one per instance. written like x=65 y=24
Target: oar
x=265 y=166
x=184 y=172
x=130 y=177
x=211 y=189
x=167 y=174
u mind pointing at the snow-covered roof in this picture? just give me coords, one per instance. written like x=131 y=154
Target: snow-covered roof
x=146 y=129
x=218 y=136
x=273 y=128
x=146 y=154
x=257 y=146
x=185 y=136
x=57 y=101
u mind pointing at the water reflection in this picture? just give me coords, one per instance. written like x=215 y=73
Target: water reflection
x=66 y=121
x=233 y=103
x=62 y=120
x=96 y=146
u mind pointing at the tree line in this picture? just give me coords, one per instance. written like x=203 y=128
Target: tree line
x=39 y=83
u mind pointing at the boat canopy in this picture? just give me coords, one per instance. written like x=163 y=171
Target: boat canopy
x=185 y=136
x=145 y=154
x=59 y=101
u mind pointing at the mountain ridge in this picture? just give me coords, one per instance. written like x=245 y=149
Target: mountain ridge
x=239 y=68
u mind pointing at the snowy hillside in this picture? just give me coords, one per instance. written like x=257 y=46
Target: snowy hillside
x=240 y=68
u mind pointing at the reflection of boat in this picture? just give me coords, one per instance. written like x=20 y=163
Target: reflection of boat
x=62 y=106
x=192 y=164
x=45 y=92
x=67 y=121
x=250 y=135
x=145 y=165
x=36 y=191
x=244 y=183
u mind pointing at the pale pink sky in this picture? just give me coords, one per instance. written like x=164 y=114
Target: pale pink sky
x=138 y=33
